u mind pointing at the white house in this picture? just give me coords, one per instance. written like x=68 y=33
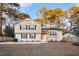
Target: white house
x=52 y=34
x=27 y=30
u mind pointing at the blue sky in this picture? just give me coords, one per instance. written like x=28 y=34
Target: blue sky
x=33 y=8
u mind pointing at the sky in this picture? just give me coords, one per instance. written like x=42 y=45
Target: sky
x=33 y=8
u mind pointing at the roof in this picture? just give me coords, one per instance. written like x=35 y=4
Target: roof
x=29 y=21
x=51 y=29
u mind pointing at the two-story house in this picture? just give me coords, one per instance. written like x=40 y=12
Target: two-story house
x=27 y=30
x=30 y=30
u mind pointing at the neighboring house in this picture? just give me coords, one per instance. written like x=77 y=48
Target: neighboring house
x=52 y=34
x=27 y=30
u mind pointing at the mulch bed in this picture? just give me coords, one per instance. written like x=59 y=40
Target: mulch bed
x=75 y=43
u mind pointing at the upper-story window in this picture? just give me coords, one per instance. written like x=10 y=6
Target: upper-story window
x=53 y=33
x=27 y=27
x=32 y=27
x=23 y=27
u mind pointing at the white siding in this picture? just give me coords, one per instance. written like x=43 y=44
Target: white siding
x=38 y=38
x=18 y=31
x=58 y=37
x=18 y=36
x=17 y=28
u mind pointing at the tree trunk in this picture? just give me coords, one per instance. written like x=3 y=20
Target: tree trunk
x=11 y=19
x=1 y=21
x=0 y=27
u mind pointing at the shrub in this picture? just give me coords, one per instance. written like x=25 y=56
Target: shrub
x=77 y=33
x=9 y=31
x=16 y=40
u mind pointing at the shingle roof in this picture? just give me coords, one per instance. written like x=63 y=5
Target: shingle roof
x=29 y=21
x=51 y=29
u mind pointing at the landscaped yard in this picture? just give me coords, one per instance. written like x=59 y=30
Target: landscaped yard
x=44 y=49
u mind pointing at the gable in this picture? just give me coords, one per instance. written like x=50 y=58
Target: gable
x=28 y=22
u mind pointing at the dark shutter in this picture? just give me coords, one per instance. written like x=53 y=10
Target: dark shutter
x=35 y=27
x=20 y=27
x=29 y=27
x=26 y=26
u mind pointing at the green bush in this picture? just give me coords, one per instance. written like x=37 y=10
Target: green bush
x=9 y=31
x=77 y=33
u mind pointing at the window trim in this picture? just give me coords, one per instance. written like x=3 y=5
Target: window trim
x=53 y=33
x=33 y=36
x=28 y=27
x=32 y=28
x=25 y=35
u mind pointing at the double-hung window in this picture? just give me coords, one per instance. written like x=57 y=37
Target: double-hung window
x=53 y=33
x=27 y=27
x=23 y=35
x=32 y=36
x=32 y=27
x=22 y=27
